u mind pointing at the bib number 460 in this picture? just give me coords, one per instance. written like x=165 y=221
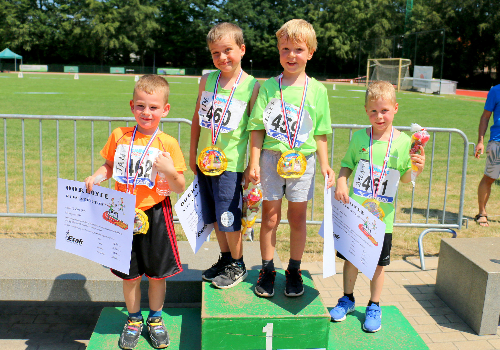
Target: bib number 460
x=218 y=114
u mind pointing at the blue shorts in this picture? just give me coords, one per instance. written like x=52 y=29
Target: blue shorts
x=221 y=199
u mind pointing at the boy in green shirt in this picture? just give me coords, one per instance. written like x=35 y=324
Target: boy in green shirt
x=289 y=124
x=379 y=157
x=219 y=140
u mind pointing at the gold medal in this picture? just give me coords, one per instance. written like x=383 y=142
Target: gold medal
x=292 y=164
x=373 y=206
x=212 y=161
x=141 y=222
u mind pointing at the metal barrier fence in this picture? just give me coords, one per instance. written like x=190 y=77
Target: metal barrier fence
x=341 y=133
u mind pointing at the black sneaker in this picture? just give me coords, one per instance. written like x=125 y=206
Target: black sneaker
x=157 y=332
x=265 y=283
x=216 y=269
x=294 y=285
x=231 y=276
x=131 y=333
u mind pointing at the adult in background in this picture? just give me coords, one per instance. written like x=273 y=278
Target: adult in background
x=492 y=168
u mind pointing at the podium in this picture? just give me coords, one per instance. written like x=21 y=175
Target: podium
x=236 y=318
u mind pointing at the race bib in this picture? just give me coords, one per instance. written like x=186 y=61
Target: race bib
x=233 y=115
x=146 y=172
x=362 y=182
x=275 y=124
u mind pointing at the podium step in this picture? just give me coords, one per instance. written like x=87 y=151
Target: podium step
x=183 y=325
x=236 y=318
x=396 y=332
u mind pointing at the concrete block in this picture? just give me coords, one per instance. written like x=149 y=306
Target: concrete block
x=468 y=280
x=34 y=270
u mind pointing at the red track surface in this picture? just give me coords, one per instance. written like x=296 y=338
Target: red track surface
x=473 y=93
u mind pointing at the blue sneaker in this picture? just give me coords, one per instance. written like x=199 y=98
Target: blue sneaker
x=344 y=306
x=373 y=319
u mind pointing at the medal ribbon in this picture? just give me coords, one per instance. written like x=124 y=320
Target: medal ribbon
x=291 y=141
x=143 y=155
x=384 y=166
x=215 y=133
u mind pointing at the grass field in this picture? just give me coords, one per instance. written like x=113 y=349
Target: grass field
x=106 y=95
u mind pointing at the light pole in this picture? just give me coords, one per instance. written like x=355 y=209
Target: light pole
x=251 y=67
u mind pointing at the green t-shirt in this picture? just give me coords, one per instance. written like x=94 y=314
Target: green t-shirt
x=233 y=136
x=357 y=159
x=267 y=115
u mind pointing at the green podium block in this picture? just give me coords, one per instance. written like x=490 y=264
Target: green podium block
x=236 y=318
x=183 y=325
x=396 y=332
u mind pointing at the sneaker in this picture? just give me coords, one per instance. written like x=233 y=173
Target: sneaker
x=265 y=283
x=344 y=307
x=231 y=276
x=294 y=285
x=131 y=333
x=373 y=319
x=157 y=332
x=216 y=269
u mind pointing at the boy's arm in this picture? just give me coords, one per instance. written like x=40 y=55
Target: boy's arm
x=195 y=127
x=104 y=172
x=251 y=103
x=256 y=141
x=255 y=93
x=342 y=192
x=322 y=151
x=419 y=161
x=165 y=165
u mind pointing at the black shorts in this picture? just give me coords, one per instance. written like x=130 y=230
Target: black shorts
x=155 y=253
x=385 y=254
x=222 y=197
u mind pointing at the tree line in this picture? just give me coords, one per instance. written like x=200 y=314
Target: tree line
x=172 y=33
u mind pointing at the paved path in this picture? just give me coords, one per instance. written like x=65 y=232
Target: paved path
x=49 y=325
x=412 y=291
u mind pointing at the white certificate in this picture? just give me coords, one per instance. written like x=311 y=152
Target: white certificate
x=357 y=233
x=189 y=212
x=329 y=242
x=97 y=226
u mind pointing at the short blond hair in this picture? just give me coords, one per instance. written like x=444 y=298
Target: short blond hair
x=380 y=90
x=298 y=30
x=151 y=83
x=225 y=29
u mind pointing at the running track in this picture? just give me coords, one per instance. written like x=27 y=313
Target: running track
x=473 y=93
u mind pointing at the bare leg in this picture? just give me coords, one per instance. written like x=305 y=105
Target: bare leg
x=350 y=276
x=376 y=284
x=297 y=212
x=271 y=216
x=156 y=293
x=221 y=238
x=132 y=295
x=483 y=194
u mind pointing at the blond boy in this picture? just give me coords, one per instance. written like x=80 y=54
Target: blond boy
x=154 y=253
x=291 y=113
x=380 y=141
x=219 y=129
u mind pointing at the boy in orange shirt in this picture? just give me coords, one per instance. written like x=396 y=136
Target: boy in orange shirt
x=134 y=157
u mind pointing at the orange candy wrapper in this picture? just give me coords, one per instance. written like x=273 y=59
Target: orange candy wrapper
x=419 y=138
x=252 y=201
